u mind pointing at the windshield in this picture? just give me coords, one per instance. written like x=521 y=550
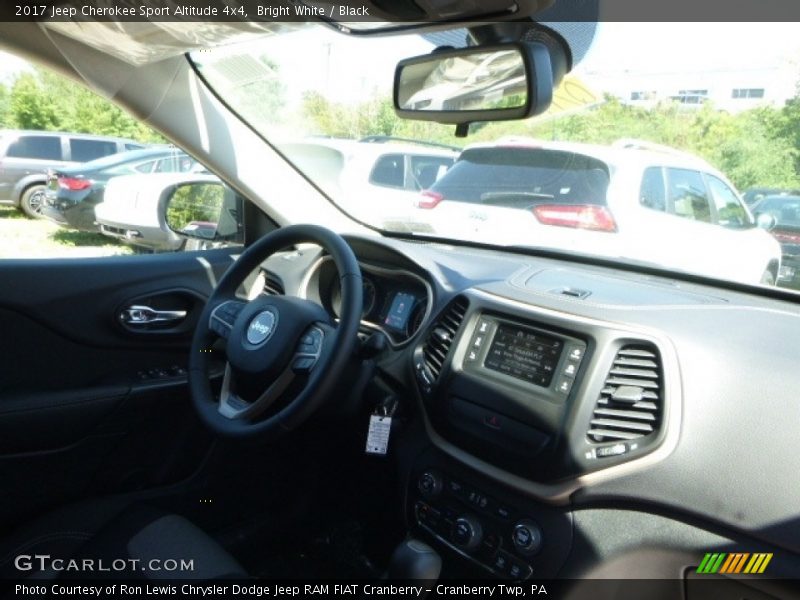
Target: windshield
x=644 y=156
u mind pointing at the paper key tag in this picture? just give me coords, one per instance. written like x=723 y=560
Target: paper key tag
x=378 y=435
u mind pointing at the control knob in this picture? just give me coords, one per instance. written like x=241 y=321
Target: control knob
x=430 y=483
x=467 y=533
x=526 y=537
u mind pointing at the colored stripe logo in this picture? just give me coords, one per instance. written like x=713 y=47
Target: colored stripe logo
x=734 y=562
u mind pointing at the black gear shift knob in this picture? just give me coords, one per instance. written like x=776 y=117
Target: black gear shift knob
x=412 y=560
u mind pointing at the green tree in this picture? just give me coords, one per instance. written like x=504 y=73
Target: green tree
x=195 y=202
x=31 y=105
x=45 y=100
x=5 y=106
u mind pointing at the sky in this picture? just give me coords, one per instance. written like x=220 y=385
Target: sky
x=11 y=65
x=670 y=47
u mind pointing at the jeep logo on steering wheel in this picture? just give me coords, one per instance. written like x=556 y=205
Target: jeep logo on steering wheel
x=261 y=327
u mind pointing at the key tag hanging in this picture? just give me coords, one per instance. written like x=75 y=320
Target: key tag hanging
x=380 y=427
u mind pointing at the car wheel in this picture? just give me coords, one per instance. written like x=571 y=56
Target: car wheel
x=32 y=201
x=768 y=278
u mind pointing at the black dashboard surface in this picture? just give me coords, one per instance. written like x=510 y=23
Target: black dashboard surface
x=736 y=455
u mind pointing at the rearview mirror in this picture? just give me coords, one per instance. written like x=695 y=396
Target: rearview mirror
x=207 y=211
x=481 y=83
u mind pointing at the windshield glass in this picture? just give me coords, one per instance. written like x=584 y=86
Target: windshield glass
x=644 y=156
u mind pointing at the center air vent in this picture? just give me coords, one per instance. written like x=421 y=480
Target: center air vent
x=437 y=345
x=630 y=404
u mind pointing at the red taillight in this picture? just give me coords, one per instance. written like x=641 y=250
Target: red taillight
x=580 y=216
x=74 y=184
x=785 y=236
x=429 y=199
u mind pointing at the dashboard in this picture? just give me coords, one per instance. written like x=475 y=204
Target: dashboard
x=556 y=412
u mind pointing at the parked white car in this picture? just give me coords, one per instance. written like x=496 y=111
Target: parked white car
x=133 y=209
x=631 y=200
x=376 y=179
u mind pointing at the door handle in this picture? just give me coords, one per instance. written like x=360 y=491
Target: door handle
x=144 y=315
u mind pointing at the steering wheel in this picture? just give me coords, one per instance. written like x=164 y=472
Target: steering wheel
x=273 y=343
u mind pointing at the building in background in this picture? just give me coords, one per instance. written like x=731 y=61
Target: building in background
x=732 y=90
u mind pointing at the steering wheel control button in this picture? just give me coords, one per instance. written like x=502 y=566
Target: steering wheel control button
x=303 y=363
x=311 y=342
x=261 y=327
x=527 y=537
x=430 y=484
x=224 y=317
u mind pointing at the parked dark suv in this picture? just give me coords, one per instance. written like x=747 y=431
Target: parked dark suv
x=785 y=209
x=25 y=157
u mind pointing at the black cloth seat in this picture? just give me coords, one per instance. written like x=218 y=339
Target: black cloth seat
x=122 y=541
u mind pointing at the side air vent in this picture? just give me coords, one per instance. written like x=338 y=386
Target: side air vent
x=272 y=285
x=630 y=403
x=437 y=345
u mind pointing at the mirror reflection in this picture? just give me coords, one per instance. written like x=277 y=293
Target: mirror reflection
x=478 y=80
x=194 y=209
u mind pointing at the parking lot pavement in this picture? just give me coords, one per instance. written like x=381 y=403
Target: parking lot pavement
x=21 y=237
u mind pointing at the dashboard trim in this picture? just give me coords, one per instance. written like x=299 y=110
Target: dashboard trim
x=303 y=293
x=560 y=492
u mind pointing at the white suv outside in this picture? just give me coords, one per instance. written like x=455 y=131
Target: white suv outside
x=632 y=200
x=375 y=179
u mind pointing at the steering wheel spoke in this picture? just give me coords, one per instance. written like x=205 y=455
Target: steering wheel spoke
x=223 y=317
x=233 y=406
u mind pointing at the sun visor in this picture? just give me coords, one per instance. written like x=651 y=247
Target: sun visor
x=143 y=42
x=136 y=43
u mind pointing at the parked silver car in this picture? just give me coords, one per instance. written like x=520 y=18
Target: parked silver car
x=26 y=156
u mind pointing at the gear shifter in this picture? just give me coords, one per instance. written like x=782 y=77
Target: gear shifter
x=414 y=560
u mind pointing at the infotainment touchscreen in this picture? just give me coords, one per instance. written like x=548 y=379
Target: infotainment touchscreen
x=525 y=354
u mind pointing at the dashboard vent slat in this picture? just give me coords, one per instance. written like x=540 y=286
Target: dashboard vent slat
x=637 y=352
x=629 y=406
x=625 y=414
x=649 y=384
x=272 y=285
x=437 y=345
x=610 y=435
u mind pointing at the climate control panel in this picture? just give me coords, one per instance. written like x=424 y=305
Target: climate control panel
x=500 y=537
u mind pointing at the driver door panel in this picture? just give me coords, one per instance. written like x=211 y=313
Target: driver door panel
x=88 y=405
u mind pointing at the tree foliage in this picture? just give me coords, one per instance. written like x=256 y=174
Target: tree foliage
x=759 y=147
x=46 y=101
x=193 y=202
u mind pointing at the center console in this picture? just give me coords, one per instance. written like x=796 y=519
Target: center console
x=507 y=535
x=506 y=392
